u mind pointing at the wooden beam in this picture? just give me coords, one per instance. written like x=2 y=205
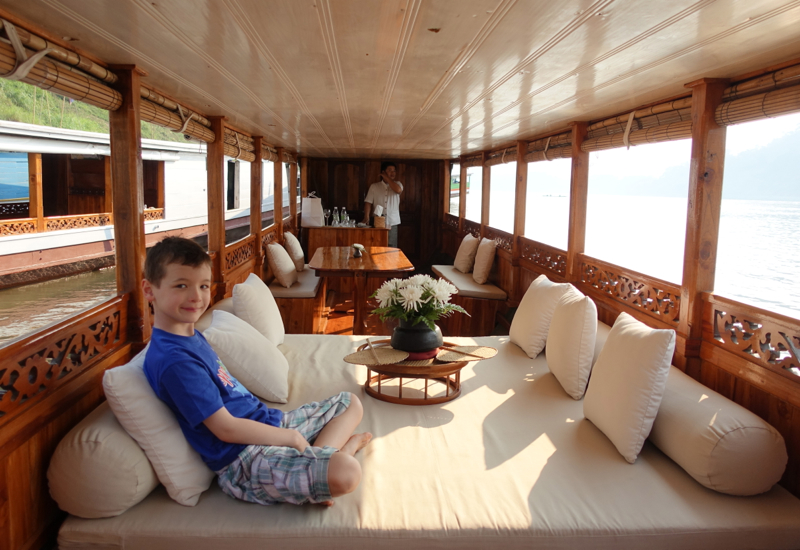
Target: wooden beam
x=35 y=197
x=702 y=217
x=520 y=206
x=303 y=177
x=278 y=199
x=293 y=194
x=446 y=170
x=256 y=192
x=128 y=199
x=462 y=198
x=215 y=173
x=486 y=192
x=108 y=192
x=161 y=181
x=579 y=190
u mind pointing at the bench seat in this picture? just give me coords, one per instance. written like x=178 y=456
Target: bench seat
x=302 y=305
x=480 y=301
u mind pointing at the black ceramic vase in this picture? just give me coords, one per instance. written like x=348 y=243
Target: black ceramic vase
x=416 y=338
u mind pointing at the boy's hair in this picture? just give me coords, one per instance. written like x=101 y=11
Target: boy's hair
x=385 y=166
x=173 y=250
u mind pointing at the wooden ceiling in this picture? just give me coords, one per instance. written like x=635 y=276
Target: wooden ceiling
x=420 y=78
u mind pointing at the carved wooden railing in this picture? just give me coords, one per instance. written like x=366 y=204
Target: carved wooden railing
x=451 y=222
x=17 y=227
x=504 y=240
x=472 y=227
x=268 y=236
x=14 y=210
x=768 y=339
x=543 y=256
x=239 y=252
x=42 y=361
x=60 y=223
x=152 y=214
x=658 y=299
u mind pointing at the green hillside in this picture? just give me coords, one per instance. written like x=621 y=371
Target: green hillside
x=20 y=102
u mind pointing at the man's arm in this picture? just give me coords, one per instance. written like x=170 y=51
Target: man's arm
x=396 y=187
x=367 y=212
x=230 y=429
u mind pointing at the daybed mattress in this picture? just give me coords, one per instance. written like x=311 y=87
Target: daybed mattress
x=511 y=462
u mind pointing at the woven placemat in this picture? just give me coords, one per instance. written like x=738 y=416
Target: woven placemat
x=453 y=354
x=386 y=356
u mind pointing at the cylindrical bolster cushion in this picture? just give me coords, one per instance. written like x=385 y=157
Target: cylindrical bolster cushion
x=719 y=443
x=98 y=470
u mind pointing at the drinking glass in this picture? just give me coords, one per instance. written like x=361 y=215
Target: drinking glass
x=327 y=214
x=335 y=216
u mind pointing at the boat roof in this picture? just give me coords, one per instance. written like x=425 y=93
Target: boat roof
x=414 y=79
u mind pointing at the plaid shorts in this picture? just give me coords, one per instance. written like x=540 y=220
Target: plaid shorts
x=271 y=475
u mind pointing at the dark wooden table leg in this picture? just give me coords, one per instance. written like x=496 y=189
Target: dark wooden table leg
x=360 y=302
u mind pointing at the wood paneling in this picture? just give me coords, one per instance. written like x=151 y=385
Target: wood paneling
x=304 y=315
x=480 y=322
x=36 y=199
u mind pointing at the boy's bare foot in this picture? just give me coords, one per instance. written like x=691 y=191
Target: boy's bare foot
x=325 y=503
x=356 y=443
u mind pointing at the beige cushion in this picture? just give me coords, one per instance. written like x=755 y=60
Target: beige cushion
x=281 y=265
x=306 y=286
x=205 y=320
x=719 y=443
x=571 y=342
x=98 y=470
x=249 y=356
x=148 y=420
x=467 y=286
x=484 y=260
x=532 y=319
x=628 y=383
x=254 y=303
x=465 y=256
x=295 y=251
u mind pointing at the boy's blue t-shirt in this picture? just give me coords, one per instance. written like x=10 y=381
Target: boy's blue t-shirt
x=188 y=376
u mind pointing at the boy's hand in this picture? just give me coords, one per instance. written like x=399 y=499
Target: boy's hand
x=300 y=442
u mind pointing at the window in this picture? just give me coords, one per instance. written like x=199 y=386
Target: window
x=455 y=188
x=474 y=193
x=547 y=202
x=758 y=250
x=502 y=193
x=636 y=212
x=232 y=195
x=287 y=176
x=267 y=194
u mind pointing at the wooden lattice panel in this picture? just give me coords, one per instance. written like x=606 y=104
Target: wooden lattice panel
x=473 y=228
x=239 y=253
x=152 y=214
x=267 y=238
x=14 y=210
x=758 y=335
x=504 y=240
x=17 y=227
x=656 y=298
x=43 y=361
x=75 y=222
x=544 y=256
x=451 y=222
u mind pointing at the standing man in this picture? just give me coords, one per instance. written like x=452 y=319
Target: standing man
x=386 y=194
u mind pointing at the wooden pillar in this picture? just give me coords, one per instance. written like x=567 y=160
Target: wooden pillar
x=520 y=206
x=486 y=192
x=293 y=195
x=446 y=171
x=578 y=193
x=215 y=172
x=303 y=177
x=702 y=217
x=108 y=191
x=35 y=197
x=256 y=193
x=462 y=198
x=278 y=202
x=128 y=199
x=161 y=181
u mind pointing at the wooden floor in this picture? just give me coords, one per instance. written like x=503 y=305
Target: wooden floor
x=340 y=317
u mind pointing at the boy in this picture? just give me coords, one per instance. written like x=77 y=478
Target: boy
x=260 y=454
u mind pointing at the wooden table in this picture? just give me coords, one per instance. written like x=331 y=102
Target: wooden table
x=376 y=261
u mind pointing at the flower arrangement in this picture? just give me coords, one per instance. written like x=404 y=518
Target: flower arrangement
x=420 y=298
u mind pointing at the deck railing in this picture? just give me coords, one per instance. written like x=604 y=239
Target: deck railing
x=21 y=226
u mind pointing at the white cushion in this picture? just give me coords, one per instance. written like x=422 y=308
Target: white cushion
x=249 y=356
x=281 y=265
x=532 y=319
x=254 y=303
x=719 y=443
x=465 y=256
x=628 y=383
x=205 y=319
x=467 y=286
x=484 y=260
x=295 y=251
x=98 y=470
x=571 y=342
x=307 y=286
x=150 y=422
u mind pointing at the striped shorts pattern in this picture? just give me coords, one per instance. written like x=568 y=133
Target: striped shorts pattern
x=271 y=475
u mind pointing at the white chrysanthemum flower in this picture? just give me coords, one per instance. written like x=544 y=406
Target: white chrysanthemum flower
x=411 y=297
x=418 y=280
x=385 y=296
x=441 y=291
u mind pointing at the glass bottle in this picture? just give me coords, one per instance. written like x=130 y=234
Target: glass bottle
x=335 y=217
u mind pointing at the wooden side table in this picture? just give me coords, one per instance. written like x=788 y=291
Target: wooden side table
x=428 y=370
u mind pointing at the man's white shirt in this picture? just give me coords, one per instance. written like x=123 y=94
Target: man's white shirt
x=381 y=194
